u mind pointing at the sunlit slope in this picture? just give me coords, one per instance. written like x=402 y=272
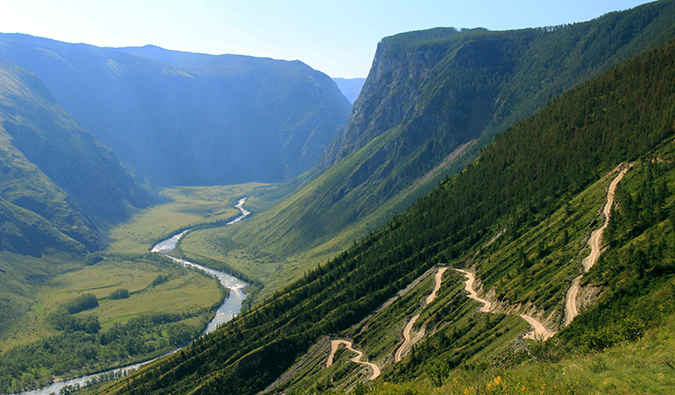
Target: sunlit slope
x=533 y=172
x=431 y=101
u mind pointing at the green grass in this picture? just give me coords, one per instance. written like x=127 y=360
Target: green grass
x=185 y=289
x=643 y=367
x=188 y=206
x=20 y=281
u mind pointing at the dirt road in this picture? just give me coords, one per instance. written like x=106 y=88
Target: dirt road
x=468 y=285
x=571 y=301
x=348 y=345
x=595 y=242
x=438 y=278
x=407 y=338
x=539 y=330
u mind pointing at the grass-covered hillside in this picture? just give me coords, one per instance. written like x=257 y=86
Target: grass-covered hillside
x=432 y=100
x=519 y=217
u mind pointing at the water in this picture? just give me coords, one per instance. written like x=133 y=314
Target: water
x=231 y=305
x=225 y=312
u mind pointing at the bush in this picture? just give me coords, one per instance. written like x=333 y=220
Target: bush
x=63 y=320
x=161 y=279
x=120 y=293
x=81 y=303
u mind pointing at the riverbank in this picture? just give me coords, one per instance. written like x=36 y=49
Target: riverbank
x=227 y=311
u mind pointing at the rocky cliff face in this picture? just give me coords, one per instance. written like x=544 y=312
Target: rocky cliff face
x=434 y=98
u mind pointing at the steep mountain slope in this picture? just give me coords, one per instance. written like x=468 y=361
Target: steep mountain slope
x=519 y=216
x=56 y=177
x=431 y=101
x=191 y=119
x=58 y=187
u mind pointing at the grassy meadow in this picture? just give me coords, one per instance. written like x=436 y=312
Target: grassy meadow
x=166 y=306
x=187 y=291
x=185 y=207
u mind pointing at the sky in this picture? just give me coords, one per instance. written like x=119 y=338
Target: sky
x=337 y=37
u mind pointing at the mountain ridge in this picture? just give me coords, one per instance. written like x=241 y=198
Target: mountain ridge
x=56 y=169
x=190 y=123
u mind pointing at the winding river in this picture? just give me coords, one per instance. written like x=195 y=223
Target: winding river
x=225 y=313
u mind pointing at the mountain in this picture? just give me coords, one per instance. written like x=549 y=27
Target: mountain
x=520 y=217
x=190 y=119
x=432 y=100
x=350 y=87
x=59 y=184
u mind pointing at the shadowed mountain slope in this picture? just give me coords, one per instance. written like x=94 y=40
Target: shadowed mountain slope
x=191 y=119
x=57 y=179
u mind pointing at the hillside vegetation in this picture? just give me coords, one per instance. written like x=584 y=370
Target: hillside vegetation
x=432 y=100
x=545 y=176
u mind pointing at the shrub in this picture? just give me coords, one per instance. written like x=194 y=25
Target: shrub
x=81 y=303
x=120 y=293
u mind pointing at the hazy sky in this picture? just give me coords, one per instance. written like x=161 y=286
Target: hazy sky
x=337 y=37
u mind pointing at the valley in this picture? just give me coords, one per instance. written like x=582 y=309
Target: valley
x=493 y=213
x=190 y=292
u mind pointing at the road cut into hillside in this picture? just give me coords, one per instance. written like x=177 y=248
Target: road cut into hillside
x=408 y=340
x=334 y=344
x=595 y=242
x=468 y=286
x=539 y=330
x=438 y=280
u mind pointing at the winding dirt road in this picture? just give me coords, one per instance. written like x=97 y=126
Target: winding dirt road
x=438 y=278
x=468 y=286
x=595 y=242
x=407 y=339
x=539 y=330
x=348 y=345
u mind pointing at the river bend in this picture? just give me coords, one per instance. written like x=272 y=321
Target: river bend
x=225 y=312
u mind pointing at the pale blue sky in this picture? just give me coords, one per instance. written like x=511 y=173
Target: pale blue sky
x=338 y=37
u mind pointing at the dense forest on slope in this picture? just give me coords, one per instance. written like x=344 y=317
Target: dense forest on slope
x=531 y=171
x=431 y=101
x=191 y=119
